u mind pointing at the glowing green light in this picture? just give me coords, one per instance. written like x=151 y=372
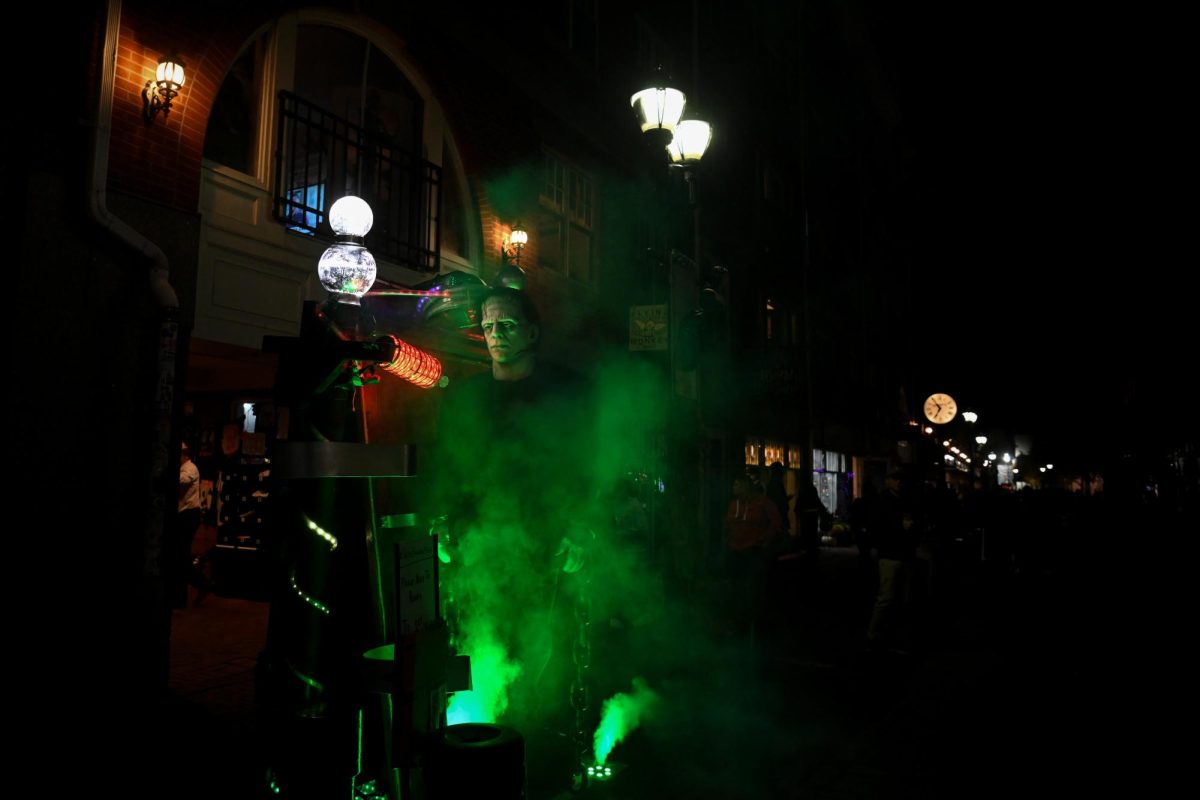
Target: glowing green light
x=275 y=789
x=502 y=614
x=312 y=683
x=312 y=601
x=621 y=714
x=324 y=534
x=599 y=773
x=492 y=671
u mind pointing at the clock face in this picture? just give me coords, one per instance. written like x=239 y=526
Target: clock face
x=940 y=408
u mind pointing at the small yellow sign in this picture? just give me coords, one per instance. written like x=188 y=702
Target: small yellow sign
x=648 y=327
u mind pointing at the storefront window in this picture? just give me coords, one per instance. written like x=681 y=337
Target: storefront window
x=832 y=481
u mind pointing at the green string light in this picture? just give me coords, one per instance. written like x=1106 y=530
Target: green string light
x=324 y=534
x=312 y=601
x=312 y=683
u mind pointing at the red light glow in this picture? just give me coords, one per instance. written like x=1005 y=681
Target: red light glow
x=414 y=365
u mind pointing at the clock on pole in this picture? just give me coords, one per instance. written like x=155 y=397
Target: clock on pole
x=940 y=408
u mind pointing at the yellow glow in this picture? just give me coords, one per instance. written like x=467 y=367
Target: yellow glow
x=658 y=108
x=170 y=72
x=692 y=137
x=324 y=534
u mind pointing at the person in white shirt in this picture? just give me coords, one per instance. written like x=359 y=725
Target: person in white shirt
x=187 y=521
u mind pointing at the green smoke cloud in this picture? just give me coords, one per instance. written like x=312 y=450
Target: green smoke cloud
x=621 y=714
x=557 y=469
x=584 y=465
x=492 y=671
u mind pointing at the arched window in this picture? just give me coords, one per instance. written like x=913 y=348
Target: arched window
x=317 y=107
x=344 y=74
x=229 y=139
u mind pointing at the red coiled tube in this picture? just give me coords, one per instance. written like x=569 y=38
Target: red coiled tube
x=414 y=365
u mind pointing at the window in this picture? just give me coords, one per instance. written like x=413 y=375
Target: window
x=567 y=223
x=829 y=476
x=574 y=26
x=651 y=49
x=230 y=134
x=305 y=207
x=454 y=209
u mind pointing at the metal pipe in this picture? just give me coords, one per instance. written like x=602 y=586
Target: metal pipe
x=164 y=294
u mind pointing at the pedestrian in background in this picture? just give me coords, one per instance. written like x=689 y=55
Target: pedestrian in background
x=752 y=528
x=187 y=521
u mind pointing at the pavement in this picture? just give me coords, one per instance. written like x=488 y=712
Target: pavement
x=997 y=698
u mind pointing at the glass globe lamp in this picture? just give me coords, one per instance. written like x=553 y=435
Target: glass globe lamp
x=347 y=269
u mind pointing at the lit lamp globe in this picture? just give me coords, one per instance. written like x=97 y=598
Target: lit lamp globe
x=169 y=76
x=658 y=106
x=347 y=268
x=692 y=137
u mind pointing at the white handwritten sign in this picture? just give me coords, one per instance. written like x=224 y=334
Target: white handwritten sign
x=416 y=583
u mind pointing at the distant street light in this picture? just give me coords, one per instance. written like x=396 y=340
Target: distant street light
x=970 y=416
x=980 y=440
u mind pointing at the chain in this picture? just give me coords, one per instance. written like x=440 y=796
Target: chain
x=581 y=654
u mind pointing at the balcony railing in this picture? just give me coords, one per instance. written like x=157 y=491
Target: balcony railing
x=321 y=157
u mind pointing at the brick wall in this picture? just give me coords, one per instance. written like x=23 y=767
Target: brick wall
x=161 y=160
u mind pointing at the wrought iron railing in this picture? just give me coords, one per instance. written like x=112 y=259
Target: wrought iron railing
x=320 y=157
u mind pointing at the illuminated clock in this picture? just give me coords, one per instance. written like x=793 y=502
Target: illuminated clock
x=940 y=408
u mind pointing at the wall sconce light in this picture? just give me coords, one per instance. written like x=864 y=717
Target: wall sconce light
x=511 y=275
x=516 y=243
x=158 y=93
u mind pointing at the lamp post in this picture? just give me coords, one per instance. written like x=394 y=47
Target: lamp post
x=663 y=113
x=660 y=108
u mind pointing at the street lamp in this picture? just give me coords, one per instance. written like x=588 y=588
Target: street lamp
x=686 y=148
x=691 y=139
x=658 y=106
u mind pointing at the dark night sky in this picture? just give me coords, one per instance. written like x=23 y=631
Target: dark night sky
x=1041 y=291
